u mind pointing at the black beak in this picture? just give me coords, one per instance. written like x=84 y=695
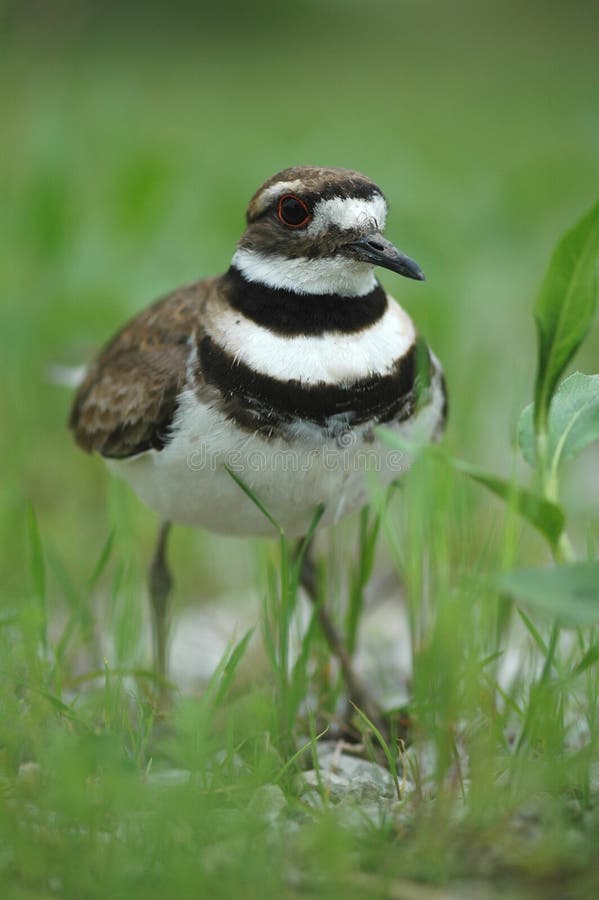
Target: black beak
x=377 y=250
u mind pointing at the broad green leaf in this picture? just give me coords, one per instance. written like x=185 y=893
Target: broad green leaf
x=546 y=516
x=565 y=307
x=569 y=592
x=573 y=420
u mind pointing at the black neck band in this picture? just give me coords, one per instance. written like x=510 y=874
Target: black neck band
x=288 y=313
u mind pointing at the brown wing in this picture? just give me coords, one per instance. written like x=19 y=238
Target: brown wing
x=128 y=399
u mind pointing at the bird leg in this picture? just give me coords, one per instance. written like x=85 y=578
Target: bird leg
x=357 y=693
x=160 y=583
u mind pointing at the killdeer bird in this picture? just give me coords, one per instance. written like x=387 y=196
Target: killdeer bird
x=278 y=371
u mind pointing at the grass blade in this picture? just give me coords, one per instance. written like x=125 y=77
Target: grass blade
x=384 y=747
x=589 y=659
x=298 y=753
x=38 y=572
x=546 y=516
x=534 y=632
x=230 y=667
x=360 y=574
x=249 y=493
x=102 y=562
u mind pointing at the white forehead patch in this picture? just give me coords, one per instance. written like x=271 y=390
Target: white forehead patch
x=349 y=212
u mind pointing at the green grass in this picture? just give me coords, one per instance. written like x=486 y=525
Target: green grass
x=128 y=157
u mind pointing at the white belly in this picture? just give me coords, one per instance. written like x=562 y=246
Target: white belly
x=188 y=481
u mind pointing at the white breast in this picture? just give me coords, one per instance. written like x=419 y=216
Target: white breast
x=188 y=481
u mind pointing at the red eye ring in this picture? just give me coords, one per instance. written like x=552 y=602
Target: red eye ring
x=297 y=213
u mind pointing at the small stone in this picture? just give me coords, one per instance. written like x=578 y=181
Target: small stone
x=342 y=776
x=169 y=777
x=29 y=775
x=268 y=803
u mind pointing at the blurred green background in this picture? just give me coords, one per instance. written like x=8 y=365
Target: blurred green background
x=134 y=134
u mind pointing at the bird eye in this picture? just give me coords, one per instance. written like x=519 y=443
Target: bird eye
x=293 y=211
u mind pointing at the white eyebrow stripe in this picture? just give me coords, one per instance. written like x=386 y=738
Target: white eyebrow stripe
x=349 y=212
x=327 y=275
x=279 y=188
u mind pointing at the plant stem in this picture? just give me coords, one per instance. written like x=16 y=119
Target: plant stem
x=561 y=552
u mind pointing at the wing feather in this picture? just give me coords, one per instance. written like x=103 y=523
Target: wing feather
x=128 y=399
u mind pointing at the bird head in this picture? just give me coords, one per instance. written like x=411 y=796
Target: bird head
x=319 y=231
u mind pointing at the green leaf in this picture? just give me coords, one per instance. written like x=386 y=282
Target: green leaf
x=546 y=516
x=569 y=592
x=565 y=307
x=573 y=421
